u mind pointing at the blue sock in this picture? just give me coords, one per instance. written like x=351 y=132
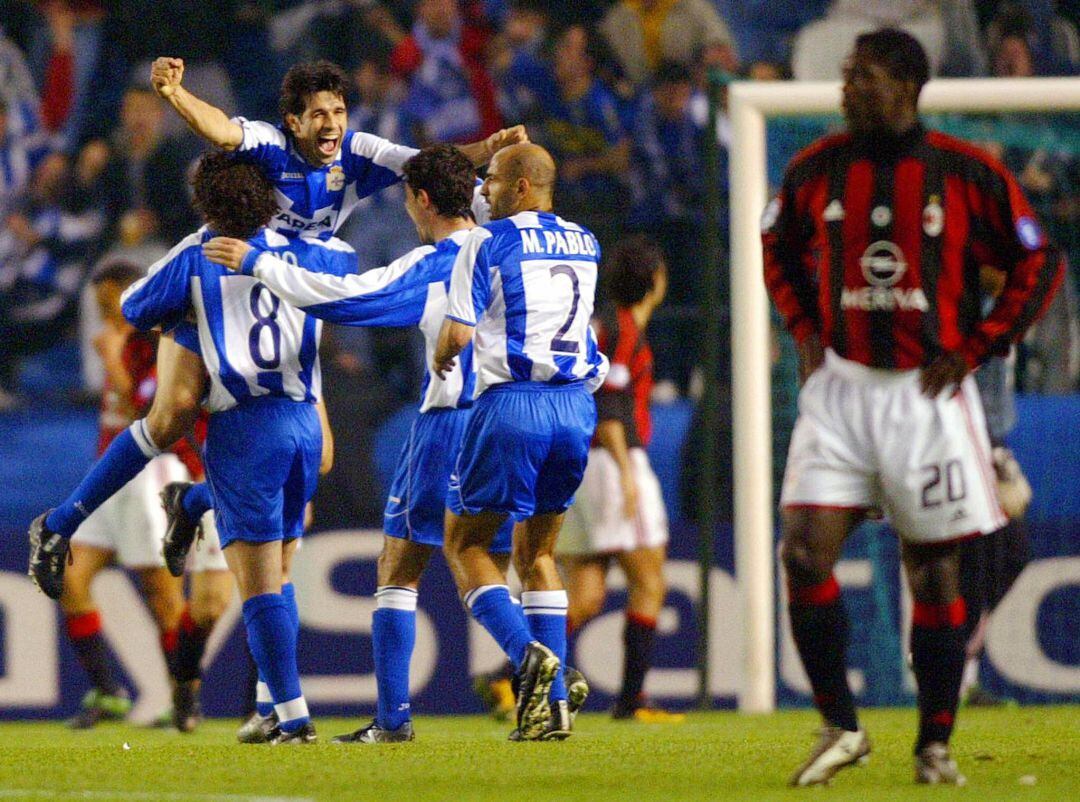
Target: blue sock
x=273 y=645
x=393 y=635
x=126 y=455
x=545 y=611
x=197 y=500
x=288 y=591
x=491 y=606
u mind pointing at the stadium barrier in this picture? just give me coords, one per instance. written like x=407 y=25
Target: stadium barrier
x=1032 y=655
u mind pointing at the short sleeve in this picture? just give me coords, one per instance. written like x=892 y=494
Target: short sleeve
x=470 y=281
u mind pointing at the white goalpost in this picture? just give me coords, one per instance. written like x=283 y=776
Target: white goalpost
x=748 y=106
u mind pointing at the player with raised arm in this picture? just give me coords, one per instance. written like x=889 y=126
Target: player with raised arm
x=869 y=250
x=439 y=183
x=319 y=169
x=522 y=293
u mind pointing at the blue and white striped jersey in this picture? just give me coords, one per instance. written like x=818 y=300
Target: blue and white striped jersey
x=314 y=201
x=252 y=342
x=409 y=291
x=527 y=283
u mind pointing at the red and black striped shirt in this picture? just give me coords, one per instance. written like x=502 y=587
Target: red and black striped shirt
x=624 y=395
x=876 y=247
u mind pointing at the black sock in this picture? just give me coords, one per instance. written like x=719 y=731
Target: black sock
x=937 y=655
x=638 y=640
x=91 y=651
x=819 y=625
x=189 y=649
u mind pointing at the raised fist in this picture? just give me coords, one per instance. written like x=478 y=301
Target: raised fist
x=166 y=74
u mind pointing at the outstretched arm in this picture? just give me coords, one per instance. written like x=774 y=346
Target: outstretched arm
x=208 y=121
x=386 y=296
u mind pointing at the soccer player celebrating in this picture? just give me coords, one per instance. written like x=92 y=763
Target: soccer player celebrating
x=319 y=169
x=619 y=511
x=439 y=188
x=868 y=256
x=523 y=286
x=129 y=529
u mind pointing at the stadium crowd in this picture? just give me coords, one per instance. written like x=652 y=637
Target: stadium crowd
x=93 y=168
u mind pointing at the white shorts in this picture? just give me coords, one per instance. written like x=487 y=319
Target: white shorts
x=132 y=523
x=595 y=523
x=870 y=438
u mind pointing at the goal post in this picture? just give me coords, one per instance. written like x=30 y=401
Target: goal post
x=749 y=104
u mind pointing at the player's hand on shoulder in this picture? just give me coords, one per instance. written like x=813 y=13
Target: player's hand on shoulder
x=165 y=75
x=947 y=368
x=227 y=251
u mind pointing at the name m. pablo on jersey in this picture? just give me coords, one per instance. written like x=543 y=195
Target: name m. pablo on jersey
x=527 y=284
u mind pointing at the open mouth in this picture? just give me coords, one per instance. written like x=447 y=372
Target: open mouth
x=327 y=145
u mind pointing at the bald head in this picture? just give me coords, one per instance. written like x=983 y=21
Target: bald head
x=521 y=177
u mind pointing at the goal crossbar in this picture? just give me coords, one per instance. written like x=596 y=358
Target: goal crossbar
x=749 y=103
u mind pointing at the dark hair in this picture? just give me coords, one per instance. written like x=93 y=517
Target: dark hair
x=234 y=197
x=631 y=268
x=446 y=175
x=305 y=79
x=119 y=271
x=899 y=53
x=671 y=72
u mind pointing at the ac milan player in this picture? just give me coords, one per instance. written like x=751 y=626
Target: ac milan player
x=128 y=530
x=618 y=513
x=872 y=252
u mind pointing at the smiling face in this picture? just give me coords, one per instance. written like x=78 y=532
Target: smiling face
x=319 y=130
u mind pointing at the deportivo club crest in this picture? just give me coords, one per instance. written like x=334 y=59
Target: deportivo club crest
x=335 y=178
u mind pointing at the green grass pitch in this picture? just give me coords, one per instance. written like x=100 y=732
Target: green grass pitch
x=1007 y=754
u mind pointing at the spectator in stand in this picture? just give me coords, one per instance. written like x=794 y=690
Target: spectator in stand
x=17 y=91
x=18 y=158
x=46 y=247
x=644 y=33
x=518 y=57
x=948 y=31
x=451 y=95
x=575 y=116
x=1053 y=43
x=146 y=178
x=65 y=57
x=668 y=193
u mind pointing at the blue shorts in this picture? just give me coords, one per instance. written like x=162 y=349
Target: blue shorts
x=525 y=450
x=262 y=463
x=416 y=507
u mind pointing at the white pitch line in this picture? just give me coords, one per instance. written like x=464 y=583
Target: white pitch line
x=151 y=796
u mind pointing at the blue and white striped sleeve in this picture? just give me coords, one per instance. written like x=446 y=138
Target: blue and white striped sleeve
x=162 y=297
x=470 y=282
x=387 y=296
x=263 y=144
x=373 y=162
